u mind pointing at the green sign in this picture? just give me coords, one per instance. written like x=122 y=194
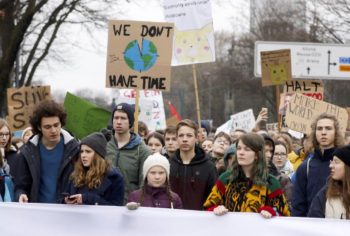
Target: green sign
x=84 y=117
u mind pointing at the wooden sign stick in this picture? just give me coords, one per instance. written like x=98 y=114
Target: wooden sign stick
x=136 y=114
x=197 y=97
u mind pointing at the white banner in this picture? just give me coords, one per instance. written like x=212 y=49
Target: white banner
x=66 y=220
x=194 y=32
x=151 y=106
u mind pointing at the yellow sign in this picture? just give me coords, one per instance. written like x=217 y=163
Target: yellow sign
x=276 y=67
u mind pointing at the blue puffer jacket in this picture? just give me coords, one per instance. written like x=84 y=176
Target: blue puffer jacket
x=310 y=178
x=110 y=192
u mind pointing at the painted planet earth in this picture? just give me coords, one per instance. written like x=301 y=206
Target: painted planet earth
x=140 y=59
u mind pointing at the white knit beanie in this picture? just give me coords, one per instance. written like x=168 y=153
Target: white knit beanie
x=156 y=160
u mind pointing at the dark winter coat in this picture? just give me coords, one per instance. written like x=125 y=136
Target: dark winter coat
x=156 y=197
x=309 y=179
x=318 y=205
x=28 y=180
x=193 y=182
x=110 y=192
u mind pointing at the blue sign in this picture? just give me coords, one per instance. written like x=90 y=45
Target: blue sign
x=344 y=60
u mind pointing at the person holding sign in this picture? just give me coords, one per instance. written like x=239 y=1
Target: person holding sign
x=126 y=150
x=312 y=174
x=333 y=200
x=94 y=181
x=47 y=160
x=247 y=186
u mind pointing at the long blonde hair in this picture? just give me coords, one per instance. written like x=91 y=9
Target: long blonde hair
x=91 y=177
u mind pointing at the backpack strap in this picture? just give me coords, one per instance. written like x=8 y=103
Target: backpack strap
x=309 y=157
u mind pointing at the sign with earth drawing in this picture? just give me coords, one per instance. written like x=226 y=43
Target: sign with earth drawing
x=139 y=55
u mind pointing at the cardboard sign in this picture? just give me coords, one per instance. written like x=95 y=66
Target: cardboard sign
x=139 y=55
x=21 y=102
x=194 y=33
x=302 y=110
x=276 y=67
x=243 y=120
x=151 y=106
x=310 y=88
x=84 y=117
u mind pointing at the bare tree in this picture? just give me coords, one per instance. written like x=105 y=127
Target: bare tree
x=29 y=29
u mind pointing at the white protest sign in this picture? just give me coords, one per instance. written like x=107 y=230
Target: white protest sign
x=226 y=127
x=151 y=106
x=243 y=120
x=194 y=32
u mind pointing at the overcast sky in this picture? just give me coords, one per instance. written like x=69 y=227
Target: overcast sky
x=87 y=66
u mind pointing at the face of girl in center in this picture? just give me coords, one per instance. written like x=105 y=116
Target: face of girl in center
x=280 y=156
x=156 y=176
x=155 y=145
x=337 y=167
x=86 y=155
x=245 y=155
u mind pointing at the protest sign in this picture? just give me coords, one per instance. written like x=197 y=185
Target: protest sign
x=276 y=67
x=139 y=55
x=243 y=120
x=151 y=106
x=21 y=102
x=84 y=117
x=226 y=127
x=310 y=88
x=194 y=32
x=302 y=110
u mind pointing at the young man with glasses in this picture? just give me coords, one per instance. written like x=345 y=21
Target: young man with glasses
x=222 y=142
x=47 y=160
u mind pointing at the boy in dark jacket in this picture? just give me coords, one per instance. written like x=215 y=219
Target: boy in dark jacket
x=192 y=174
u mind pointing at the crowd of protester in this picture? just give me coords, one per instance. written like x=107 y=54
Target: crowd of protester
x=182 y=167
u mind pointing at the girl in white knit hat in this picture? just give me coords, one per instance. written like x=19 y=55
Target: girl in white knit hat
x=155 y=191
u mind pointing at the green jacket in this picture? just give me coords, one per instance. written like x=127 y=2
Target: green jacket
x=129 y=161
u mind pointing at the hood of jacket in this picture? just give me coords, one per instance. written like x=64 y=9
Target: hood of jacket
x=67 y=137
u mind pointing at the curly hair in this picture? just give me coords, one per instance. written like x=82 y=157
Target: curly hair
x=91 y=177
x=338 y=140
x=46 y=108
x=3 y=123
x=341 y=189
x=286 y=139
x=260 y=171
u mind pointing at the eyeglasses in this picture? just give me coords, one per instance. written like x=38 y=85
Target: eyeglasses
x=4 y=135
x=222 y=141
x=280 y=154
